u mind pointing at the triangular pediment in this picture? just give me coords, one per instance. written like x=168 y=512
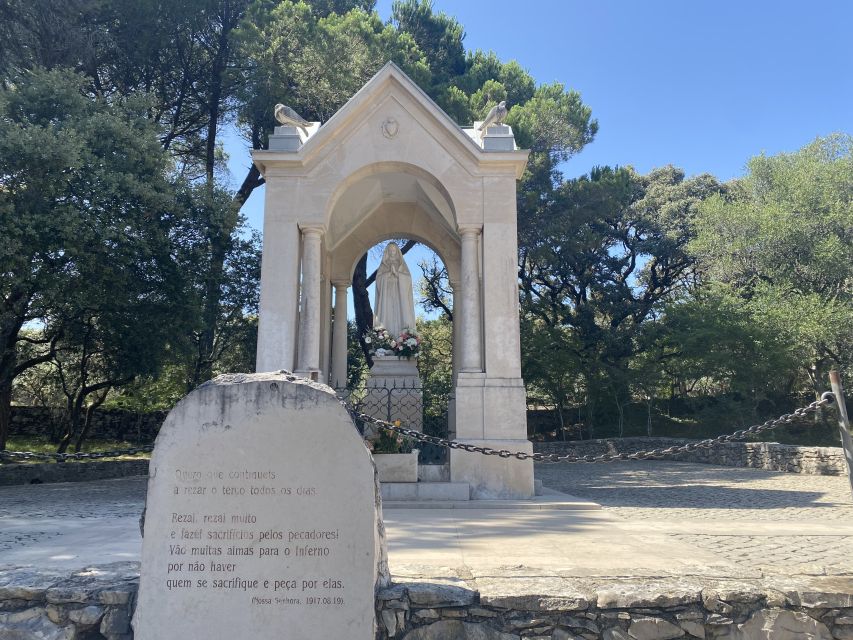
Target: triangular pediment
x=392 y=90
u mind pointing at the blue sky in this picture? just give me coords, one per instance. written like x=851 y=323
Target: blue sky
x=699 y=84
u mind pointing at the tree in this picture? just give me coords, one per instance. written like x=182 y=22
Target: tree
x=82 y=194
x=437 y=35
x=780 y=243
x=599 y=257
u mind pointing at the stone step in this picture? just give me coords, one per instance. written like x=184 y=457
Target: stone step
x=549 y=500
x=434 y=472
x=425 y=491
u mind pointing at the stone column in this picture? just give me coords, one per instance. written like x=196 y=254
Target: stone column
x=339 y=337
x=455 y=348
x=309 y=318
x=471 y=338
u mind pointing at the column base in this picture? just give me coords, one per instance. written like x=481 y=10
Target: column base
x=493 y=477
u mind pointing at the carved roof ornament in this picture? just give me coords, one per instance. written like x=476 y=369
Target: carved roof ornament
x=287 y=116
x=390 y=127
x=495 y=116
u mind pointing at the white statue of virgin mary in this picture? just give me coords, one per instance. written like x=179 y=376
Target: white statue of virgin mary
x=395 y=302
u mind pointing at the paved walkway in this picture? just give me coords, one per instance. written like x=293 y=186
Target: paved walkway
x=658 y=519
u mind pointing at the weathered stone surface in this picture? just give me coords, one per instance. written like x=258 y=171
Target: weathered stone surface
x=525 y=623
x=32 y=623
x=56 y=613
x=781 y=624
x=562 y=634
x=633 y=596
x=843 y=597
x=263 y=514
x=615 y=633
x=843 y=633
x=428 y=594
x=87 y=616
x=427 y=614
x=457 y=630
x=116 y=621
x=653 y=629
x=389 y=621
x=712 y=602
x=578 y=623
x=393 y=592
x=696 y=629
x=531 y=594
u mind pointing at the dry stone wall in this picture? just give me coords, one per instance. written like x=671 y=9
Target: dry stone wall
x=39 y=473
x=107 y=424
x=756 y=455
x=96 y=603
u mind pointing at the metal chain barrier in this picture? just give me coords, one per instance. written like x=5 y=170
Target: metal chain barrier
x=826 y=399
x=65 y=457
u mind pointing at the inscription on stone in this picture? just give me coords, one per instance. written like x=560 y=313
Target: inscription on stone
x=262 y=517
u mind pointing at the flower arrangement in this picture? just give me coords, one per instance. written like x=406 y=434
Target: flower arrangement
x=382 y=343
x=389 y=443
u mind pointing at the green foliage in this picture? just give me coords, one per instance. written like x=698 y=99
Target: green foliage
x=86 y=213
x=438 y=36
x=435 y=363
x=780 y=243
x=553 y=120
x=600 y=257
x=314 y=63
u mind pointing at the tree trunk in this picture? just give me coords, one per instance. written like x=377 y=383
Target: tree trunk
x=87 y=422
x=361 y=303
x=5 y=412
x=75 y=408
x=819 y=376
x=649 y=417
x=562 y=421
x=9 y=327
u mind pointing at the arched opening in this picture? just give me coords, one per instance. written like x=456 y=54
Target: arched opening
x=381 y=202
x=419 y=392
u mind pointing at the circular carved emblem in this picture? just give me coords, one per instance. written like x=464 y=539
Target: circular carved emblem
x=390 y=127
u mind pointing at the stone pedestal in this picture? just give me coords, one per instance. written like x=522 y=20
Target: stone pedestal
x=491 y=412
x=394 y=391
x=498 y=138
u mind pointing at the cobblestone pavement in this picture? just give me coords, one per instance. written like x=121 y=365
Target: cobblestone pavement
x=71 y=523
x=678 y=490
x=777 y=522
x=773 y=522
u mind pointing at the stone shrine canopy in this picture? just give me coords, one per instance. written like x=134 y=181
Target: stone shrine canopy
x=391 y=164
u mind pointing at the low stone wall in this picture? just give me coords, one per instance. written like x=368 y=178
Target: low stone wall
x=536 y=608
x=757 y=455
x=97 y=603
x=107 y=424
x=94 y=603
x=70 y=471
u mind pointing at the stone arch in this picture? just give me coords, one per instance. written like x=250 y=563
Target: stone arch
x=376 y=183
x=348 y=252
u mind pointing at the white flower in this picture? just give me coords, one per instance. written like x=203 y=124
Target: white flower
x=412 y=342
x=393 y=343
x=367 y=340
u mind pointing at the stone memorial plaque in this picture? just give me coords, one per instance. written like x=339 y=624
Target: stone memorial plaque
x=263 y=518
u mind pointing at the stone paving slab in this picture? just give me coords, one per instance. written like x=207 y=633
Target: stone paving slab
x=659 y=519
